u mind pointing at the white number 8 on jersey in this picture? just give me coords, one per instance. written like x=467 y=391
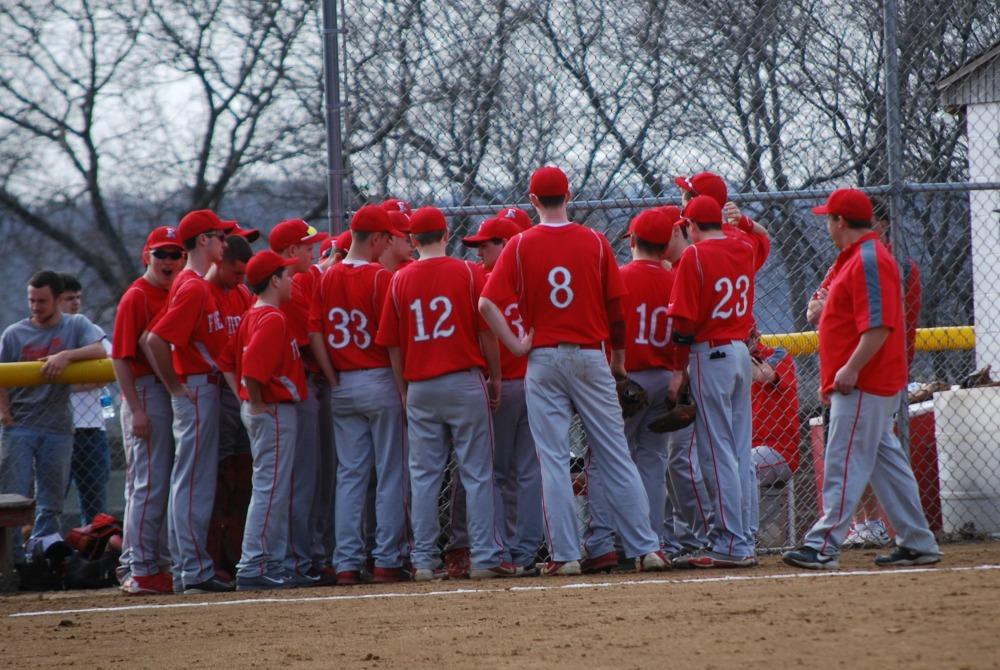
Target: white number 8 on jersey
x=561 y=294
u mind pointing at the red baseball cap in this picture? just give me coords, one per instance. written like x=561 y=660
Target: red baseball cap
x=325 y=246
x=163 y=236
x=400 y=221
x=492 y=229
x=849 y=203
x=673 y=214
x=251 y=235
x=373 y=219
x=703 y=209
x=705 y=183
x=343 y=241
x=265 y=264
x=517 y=215
x=395 y=205
x=427 y=220
x=292 y=231
x=549 y=180
x=652 y=225
x=201 y=221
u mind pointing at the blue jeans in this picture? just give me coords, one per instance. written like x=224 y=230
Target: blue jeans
x=89 y=470
x=33 y=454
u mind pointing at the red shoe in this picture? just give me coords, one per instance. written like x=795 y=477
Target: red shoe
x=349 y=578
x=389 y=575
x=158 y=584
x=602 y=563
x=458 y=563
x=505 y=569
x=561 y=568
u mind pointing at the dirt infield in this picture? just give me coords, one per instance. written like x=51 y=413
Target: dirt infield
x=772 y=616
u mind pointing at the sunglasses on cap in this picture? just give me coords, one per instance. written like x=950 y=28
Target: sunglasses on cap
x=164 y=254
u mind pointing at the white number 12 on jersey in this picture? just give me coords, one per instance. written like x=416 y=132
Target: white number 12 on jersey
x=440 y=331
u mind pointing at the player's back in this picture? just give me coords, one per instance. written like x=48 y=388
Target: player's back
x=348 y=304
x=647 y=326
x=562 y=282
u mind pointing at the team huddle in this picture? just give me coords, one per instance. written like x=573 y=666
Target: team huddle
x=358 y=377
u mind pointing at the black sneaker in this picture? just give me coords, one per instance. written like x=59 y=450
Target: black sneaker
x=213 y=585
x=903 y=557
x=810 y=559
x=262 y=583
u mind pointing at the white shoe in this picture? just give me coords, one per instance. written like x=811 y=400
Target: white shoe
x=429 y=574
x=853 y=539
x=654 y=561
x=879 y=534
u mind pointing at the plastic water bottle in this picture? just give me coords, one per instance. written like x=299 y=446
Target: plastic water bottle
x=107 y=404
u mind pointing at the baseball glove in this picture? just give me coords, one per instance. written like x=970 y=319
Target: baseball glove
x=679 y=415
x=632 y=397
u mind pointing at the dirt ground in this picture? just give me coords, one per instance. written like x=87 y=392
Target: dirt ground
x=771 y=616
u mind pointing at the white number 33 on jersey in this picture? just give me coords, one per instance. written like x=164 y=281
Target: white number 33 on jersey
x=732 y=297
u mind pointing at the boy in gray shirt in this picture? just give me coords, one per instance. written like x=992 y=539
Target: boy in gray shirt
x=37 y=436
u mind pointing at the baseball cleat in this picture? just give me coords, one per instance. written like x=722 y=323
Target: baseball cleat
x=458 y=563
x=349 y=578
x=854 y=538
x=561 y=568
x=262 y=583
x=602 y=563
x=654 y=561
x=903 y=557
x=505 y=569
x=681 y=560
x=300 y=580
x=324 y=577
x=390 y=575
x=213 y=585
x=878 y=535
x=160 y=583
x=714 y=559
x=810 y=559
x=530 y=570
x=429 y=574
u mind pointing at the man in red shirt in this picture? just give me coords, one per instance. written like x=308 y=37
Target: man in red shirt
x=862 y=355
x=515 y=464
x=192 y=325
x=271 y=380
x=569 y=294
x=146 y=417
x=439 y=348
x=295 y=240
x=399 y=253
x=368 y=419
x=712 y=306
x=648 y=360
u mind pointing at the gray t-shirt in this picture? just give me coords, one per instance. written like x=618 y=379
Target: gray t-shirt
x=45 y=406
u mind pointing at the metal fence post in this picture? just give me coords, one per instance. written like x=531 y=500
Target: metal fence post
x=894 y=155
x=335 y=171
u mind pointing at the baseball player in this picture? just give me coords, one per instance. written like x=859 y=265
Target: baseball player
x=515 y=464
x=516 y=215
x=648 y=361
x=439 y=348
x=271 y=380
x=146 y=418
x=399 y=253
x=192 y=326
x=569 y=294
x=863 y=368
x=296 y=239
x=712 y=306
x=366 y=405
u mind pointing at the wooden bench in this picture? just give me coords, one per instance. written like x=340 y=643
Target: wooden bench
x=15 y=511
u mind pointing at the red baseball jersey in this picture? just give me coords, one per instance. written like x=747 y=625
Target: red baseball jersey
x=139 y=305
x=297 y=309
x=563 y=277
x=268 y=354
x=233 y=304
x=865 y=293
x=511 y=366
x=647 y=327
x=713 y=289
x=761 y=243
x=192 y=323
x=346 y=310
x=775 y=406
x=432 y=315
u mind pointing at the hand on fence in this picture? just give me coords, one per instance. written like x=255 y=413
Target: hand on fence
x=52 y=366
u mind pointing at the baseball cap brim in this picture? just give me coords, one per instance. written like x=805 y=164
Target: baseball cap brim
x=164 y=244
x=684 y=184
x=475 y=240
x=822 y=209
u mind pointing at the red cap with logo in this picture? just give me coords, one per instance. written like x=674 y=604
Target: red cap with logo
x=265 y=264
x=849 y=203
x=373 y=219
x=201 y=221
x=517 y=215
x=492 y=229
x=342 y=242
x=401 y=222
x=290 y=232
x=549 y=180
x=163 y=236
x=705 y=183
x=651 y=225
x=251 y=235
x=395 y=205
x=427 y=220
x=703 y=209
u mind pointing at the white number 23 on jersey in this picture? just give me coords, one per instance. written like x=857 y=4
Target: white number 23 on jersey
x=733 y=297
